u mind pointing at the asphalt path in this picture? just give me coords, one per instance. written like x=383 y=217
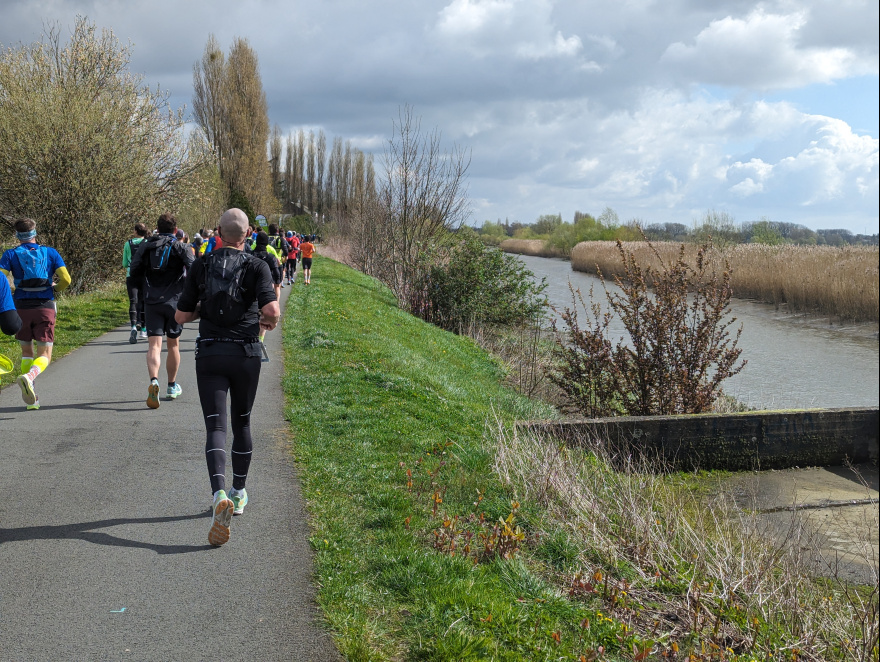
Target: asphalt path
x=104 y=518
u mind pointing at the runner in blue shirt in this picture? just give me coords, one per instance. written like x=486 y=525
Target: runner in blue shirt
x=38 y=272
x=10 y=322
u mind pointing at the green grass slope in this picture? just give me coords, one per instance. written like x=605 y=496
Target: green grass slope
x=372 y=394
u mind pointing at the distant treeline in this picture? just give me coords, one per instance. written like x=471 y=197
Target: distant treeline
x=560 y=236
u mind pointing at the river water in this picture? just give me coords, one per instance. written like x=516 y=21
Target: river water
x=793 y=361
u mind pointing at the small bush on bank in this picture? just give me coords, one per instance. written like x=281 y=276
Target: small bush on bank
x=471 y=286
x=679 y=352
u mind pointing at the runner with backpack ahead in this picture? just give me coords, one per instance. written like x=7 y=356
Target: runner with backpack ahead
x=277 y=243
x=34 y=270
x=160 y=262
x=233 y=293
x=134 y=288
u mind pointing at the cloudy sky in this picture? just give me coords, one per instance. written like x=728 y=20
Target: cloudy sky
x=659 y=109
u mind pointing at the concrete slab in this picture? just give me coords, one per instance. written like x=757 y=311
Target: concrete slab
x=830 y=515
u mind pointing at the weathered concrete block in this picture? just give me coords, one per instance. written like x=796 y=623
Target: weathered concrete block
x=735 y=442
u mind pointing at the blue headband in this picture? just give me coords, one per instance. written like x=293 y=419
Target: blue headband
x=24 y=236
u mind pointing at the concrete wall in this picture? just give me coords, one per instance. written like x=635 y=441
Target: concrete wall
x=735 y=442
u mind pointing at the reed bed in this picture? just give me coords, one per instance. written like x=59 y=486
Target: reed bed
x=535 y=247
x=824 y=280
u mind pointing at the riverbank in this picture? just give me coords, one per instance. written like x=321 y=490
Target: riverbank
x=535 y=247
x=822 y=280
x=840 y=285
x=439 y=535
x=795 y=361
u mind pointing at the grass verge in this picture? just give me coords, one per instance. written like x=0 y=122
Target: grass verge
x=80 y=319
x=436 y=537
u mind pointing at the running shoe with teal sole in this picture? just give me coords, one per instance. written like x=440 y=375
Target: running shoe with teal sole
x=239 y=501
x=222 y=510
x=174 y=391
x=153 y=396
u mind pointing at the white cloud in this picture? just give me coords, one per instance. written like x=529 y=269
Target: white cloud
x=522 y=28
x=564 y=104
x=835 y=166
x=747 y=187
x=462 y=17
x=762 y=51
x=560 y=46
x=673 y=153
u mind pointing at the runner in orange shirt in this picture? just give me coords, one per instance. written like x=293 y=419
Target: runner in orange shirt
x=308 y=250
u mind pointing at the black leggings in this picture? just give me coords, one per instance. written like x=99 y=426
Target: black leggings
x=239 y=376
x=135 y=302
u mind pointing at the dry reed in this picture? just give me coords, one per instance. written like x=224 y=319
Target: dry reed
x=535 y=247
x=825 y=280
x=723 y=558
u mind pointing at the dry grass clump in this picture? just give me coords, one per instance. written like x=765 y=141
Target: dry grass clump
x=700 y=574
x=827 y=280
x=536 y=247
x=339 y=250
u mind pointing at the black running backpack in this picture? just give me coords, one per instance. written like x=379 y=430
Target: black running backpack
x=222 y=298
x=160 y=253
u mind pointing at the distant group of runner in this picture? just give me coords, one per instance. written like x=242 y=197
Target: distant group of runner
x=228 y=278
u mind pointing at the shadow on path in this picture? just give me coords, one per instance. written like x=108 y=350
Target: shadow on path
x=864 y=474
x=84 y=531
x=135 y=405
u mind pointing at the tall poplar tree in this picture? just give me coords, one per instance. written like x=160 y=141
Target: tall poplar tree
x=230 y=107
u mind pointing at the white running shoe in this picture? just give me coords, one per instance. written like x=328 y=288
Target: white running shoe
x=239 y=500
x=222 y=510
x=142 y=334
x=27 y=389
x=133 y=337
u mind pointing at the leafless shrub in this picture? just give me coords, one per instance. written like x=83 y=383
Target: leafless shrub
x=421 y=196
x=679 y=349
